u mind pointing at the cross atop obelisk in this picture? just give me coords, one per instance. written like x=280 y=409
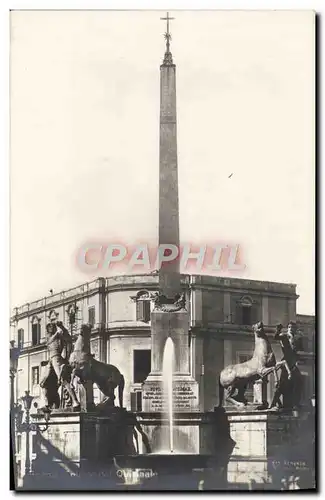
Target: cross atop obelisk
x=168 y=59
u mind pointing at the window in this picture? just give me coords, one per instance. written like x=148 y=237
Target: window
x=247 y=311
x=143 y=310
x=35 y=375
x=92 y=315
x=141 y=365
x=136 y=401
x=246 y=315
x=20 y=338
x=36 y=331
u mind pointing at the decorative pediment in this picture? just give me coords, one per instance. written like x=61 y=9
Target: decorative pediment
x=36 y=320
x=246 y=301
x=53 y=315
x=144 y=295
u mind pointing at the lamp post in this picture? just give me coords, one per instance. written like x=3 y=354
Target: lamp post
x=14 y=355
x=27 y=402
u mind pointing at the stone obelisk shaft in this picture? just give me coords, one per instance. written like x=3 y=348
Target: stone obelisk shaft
x=170 y=317
x=169 y=278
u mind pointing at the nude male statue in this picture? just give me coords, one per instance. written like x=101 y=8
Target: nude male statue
x=59 y=345
x=290 y=388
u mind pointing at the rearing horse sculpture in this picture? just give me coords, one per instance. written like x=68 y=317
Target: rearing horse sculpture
x=234 y=378
x=86 y=368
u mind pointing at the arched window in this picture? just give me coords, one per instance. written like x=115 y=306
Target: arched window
x=143 y=305
x=36 y=330
x=245 y=311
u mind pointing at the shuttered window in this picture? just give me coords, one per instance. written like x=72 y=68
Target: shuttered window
x=143 y=310
x=21 y=338
x=92 y=315
x=36 y=333
x=136 y=401
x=35 y=375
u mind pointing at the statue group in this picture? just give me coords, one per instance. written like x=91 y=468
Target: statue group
x=70 y=367
x=234 y=379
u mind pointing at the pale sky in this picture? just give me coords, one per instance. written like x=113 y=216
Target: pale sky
x=85 y=139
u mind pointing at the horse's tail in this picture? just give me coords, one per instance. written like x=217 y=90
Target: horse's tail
x=221 y=392
x=120 y=390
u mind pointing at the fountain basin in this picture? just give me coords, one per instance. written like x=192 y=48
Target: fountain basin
x=195 y=433
x=172 y=463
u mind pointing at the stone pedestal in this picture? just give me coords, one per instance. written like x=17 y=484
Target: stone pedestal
x=176 y=326
x=74 y=447
x=260 y=394
x=185 y=389
x=270 y=448
x=185 y=394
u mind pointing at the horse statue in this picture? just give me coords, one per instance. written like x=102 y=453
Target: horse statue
x=234 y=378
x=86 y=368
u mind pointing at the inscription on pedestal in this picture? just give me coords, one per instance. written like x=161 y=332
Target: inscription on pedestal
x=184 y=397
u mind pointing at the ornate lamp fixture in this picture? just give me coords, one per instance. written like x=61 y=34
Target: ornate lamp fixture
x=27 y=401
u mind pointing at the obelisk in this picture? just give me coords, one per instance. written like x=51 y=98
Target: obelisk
x=170 y=317
x=169 y=278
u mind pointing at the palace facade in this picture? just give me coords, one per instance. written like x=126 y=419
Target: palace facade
x=222 y=311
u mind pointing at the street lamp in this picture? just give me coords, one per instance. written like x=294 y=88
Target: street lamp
x=14 y=355
x=27 y=402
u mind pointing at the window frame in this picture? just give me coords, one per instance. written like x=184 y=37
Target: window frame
x=143 y=310
x=134 y=365
x=20 y=338
x=35 y=369
x=92 y=308
x=36 y=330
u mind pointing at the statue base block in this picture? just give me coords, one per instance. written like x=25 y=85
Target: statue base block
x=185 y=394
x=79 y=447
x=270 y=449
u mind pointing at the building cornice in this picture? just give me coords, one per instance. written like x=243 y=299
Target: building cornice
x=245 y=291
x=224 y=330
x=150 y=282
x=61 y=299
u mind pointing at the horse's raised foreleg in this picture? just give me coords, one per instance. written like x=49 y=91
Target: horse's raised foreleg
x=274 y=369
x=284 y=363
x=264 y=372
x=229 y=392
